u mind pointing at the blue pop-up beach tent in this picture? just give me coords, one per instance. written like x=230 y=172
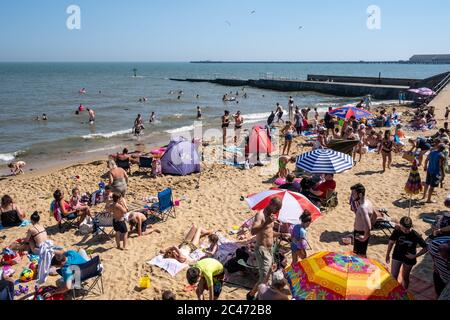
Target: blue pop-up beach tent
x=181 y=158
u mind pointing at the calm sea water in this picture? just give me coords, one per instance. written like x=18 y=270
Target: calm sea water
x=28 y=90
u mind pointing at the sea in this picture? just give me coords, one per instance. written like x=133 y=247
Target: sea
x=29 y=90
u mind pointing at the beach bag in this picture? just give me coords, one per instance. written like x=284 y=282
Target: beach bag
x=40 y=292
x=86 y=227
x=232 y=265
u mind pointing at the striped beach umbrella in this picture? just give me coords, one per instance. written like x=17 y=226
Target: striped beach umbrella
x=293 y=204
x=335 y=276
x=324 y=161
x=348 y=111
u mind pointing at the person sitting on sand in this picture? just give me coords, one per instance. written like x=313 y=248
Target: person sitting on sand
x=322 y=140
x=208 y=275
x=125 y=156
x=142 y=224
x=35 y=237
x=190 y=244
x=290 y=184
x=283 y=161
x=405 y=241
x=65 y=261
x=11 y=214
x=274 y=292
x=119 y=224
x=17 y=167
x=64 y=208
x=324 y=189
x=118 y=178
x=299 y=242
x=422 y=144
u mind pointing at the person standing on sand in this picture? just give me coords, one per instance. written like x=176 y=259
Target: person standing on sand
x=386 y=147
x=225 y=125
x=291 y=107
x=447 y=112
x=279 y=113
x=263 y=230
x=239 y=121
x=363 y=209
x=435 y=169
x=118 y=178
x=119 y=224
x=271 y=119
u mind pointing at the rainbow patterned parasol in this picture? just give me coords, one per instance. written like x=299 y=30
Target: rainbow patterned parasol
x=414 y=183
x=335 y=276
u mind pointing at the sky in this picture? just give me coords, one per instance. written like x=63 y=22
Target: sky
x=185 y=30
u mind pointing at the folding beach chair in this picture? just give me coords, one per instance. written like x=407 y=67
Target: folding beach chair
x=90 y=271
x=145 y=163
x=6 y=291
x=100 y=225
x=124 y=164
x=165 y=207
x=63 y=221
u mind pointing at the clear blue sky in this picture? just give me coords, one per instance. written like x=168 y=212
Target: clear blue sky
x=183 y=30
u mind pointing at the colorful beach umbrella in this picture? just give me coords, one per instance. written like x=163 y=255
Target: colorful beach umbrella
x=324 y=161
x=423 y=91
x=414 y=184
x=348 y=111
x=335 y=276
x=293 y=204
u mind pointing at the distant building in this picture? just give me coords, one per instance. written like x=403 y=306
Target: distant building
x=431 y=58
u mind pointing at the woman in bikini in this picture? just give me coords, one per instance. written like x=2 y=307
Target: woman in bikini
x=11 y=214
x=386 y=148
x=225 y=125
x=34 y=238
x=190 y=244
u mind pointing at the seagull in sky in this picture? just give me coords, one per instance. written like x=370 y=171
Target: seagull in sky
x=254 y=11
x=228 y=23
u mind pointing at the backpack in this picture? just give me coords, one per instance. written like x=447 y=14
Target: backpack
x=232 y=265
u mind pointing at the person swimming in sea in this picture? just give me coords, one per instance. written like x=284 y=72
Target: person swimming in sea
x=44 y=117
x=152 y=118
x=91 y=116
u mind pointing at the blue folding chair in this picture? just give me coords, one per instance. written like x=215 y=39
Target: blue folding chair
x=6 y=291
x=91 y=270
x=165 y=206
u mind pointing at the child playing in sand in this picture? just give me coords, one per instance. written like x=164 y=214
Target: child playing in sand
x=282 y=163
x=404 y=240
x=17 y=167
x=142 y=224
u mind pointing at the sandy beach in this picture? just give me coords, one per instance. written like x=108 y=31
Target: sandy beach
x=214 y=205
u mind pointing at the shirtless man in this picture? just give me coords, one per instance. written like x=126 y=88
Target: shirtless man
x=119 y=224
x=263 y=230
x=17 y=167
x=91 y=116
x=363 y=209
x=140 y=221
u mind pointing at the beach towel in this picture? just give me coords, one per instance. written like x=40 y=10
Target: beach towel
x=25 y=223
x=172 y=266
x=46 y=254
x=234 y=149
